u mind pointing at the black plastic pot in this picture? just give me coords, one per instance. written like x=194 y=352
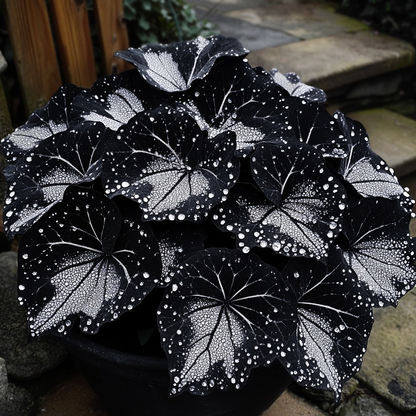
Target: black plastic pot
x=133 y=385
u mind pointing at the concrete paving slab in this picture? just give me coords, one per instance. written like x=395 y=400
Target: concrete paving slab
x=216 y=6
x=363 y=405
x=389 y=366
x=305 y=20
x=335 y=61
x=288 y=404
x=73 y=396
x=392 y=136
x=251 y=36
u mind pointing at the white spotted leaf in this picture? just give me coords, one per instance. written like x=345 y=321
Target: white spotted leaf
x=170 y=167
x=225 y=314
x=380 y=249
x=114 y=100
x=334 y=320
x=367 y=172
x=41 y=177
x=313 y=125
x=83 y=260
x=295 y=87
x=176 y=66
x=301 y=215
x=44 y=122
x=235 y=97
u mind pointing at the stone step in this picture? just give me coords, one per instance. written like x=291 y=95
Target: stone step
x=290 y=404
x=326 y=49
x=389 y=366
x=340 y=60
x=299 y=18
x=277 y=22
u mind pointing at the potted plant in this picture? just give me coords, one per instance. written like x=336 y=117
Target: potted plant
x=210 y=213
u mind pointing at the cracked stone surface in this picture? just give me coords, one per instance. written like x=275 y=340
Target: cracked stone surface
x=300 y=19
x=14 y=401
x=251 y=36
x=290 y=404
x=389 y=366
x=334 y=61
x=363 y=405
x=25 y=358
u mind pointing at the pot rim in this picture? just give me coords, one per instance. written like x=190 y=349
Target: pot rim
x=81 y=346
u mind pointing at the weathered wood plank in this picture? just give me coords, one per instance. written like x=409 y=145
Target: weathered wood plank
x=73 y=37
x=112 y=34
x=34 y=51
x=5 y=123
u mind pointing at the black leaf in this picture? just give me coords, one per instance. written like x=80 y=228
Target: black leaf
x=296 y=88
x=114 y=100
x=41 y=177
x=302 y=215
x=45 y=122
x=367 y=172
x=170 y=167
x=174 y=67
x=176 y=243
x=380 y=249
x=334 y=320
x=82 y=259
x=225 y=314
x=313 y=125
x=235 y=97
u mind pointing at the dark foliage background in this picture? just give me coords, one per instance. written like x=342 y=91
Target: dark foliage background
x=162 y=21
x=397 y=18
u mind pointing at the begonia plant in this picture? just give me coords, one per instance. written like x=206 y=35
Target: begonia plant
x=269 y=226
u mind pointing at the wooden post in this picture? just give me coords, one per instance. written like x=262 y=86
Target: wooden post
x=73 y=37
x=112 y=34
x=33 y=51
x=5 y=123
